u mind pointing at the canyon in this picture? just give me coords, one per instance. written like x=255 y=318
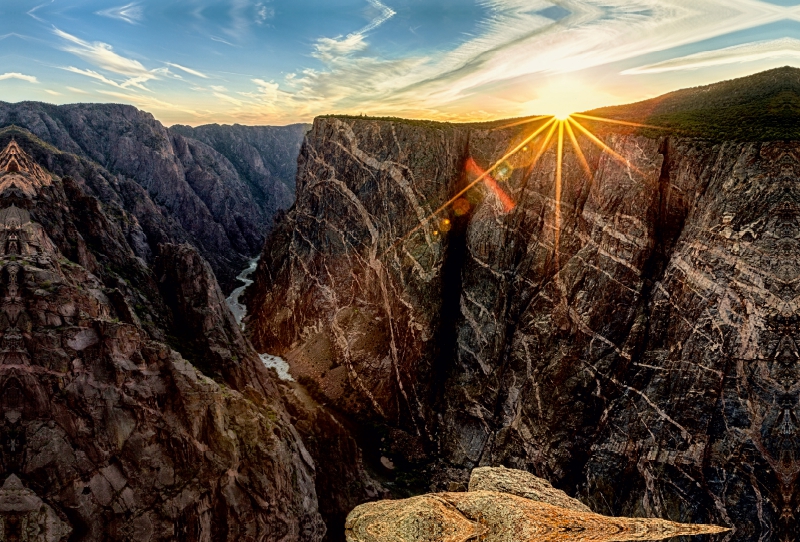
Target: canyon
x=219 y=191
x=627 y=329
x=116 y=432
x=611 y=307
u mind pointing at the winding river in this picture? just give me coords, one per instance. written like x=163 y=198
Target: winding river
x=240 y=311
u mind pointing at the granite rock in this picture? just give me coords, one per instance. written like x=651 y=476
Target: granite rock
x=522 y=484
x=627 y=333
x=178 y=188
x=489 y=516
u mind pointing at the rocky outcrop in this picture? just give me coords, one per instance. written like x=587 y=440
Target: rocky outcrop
x=522 y=484
x=178 y=188
x=495 y=516
x=109 y=433
x=627 y=332
x=24 y=517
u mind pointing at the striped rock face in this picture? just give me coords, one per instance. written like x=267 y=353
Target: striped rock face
x=19 y=171
x=630 y=333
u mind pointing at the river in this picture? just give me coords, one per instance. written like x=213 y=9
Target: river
x=240 y=311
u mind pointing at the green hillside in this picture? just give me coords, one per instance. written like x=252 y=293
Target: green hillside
x=760 y=107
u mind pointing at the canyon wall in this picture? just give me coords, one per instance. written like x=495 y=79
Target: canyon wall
x=628 y=333
x=131 y=406
x=179 y=188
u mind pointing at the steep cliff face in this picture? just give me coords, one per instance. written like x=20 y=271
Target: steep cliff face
x=106 y=429
x=264 y=156
x=627 y=332
x=222 y=209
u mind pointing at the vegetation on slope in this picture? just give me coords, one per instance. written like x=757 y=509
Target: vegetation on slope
x=760 y=107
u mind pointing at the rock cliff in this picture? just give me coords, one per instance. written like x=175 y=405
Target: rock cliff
x=179 y=188
x=264 y=156
x=627 y=331
x=109 y=432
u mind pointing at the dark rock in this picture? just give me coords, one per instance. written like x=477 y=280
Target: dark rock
x=178 y=189
x=264 y=156
x=630 y=336
x=115 y=433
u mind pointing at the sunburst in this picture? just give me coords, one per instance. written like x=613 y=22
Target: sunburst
x=557 y=125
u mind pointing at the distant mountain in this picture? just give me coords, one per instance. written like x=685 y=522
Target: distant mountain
x=264 y=156
x=223 y=206
x=761 y=107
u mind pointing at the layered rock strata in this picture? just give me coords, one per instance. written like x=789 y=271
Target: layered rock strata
x=628 y=333
x=108 y=433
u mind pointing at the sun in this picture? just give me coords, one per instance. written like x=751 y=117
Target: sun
x=562 y=115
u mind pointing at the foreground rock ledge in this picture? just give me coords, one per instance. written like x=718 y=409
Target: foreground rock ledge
x=500 y=516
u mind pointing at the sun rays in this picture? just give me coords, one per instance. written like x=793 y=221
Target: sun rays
x=558 y=130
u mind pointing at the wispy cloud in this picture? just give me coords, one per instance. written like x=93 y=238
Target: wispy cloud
x=229 y=99
x=263 y=13
x=785 y=48
x=384 y=14
x=147 y=102
x=132 y=82
x=190 y=71
x=102 y=56
x=20 y=76
x=220 y=40
x=130 y=13
x=513 y=42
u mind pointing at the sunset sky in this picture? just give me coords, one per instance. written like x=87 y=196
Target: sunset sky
x=283 y=61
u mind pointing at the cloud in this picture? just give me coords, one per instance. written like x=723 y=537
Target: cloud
x=77 y=90
x=20 y=76
x=220 y=40
x=788 y=48
x=94 y=75
x=328 y=49
x=52 y=92
x=131 y=13
x=263 y=13
x=384 y=14
x=513 y=42
x=187 y=70
x=229 y=99
x=102 y=56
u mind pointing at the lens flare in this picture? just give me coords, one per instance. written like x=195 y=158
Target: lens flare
x=474 y=169
x=559 y=166
x=559 y=124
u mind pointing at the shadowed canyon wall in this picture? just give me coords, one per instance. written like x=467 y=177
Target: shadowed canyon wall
x=132 y=408
x=219 y=192
x=629 y=333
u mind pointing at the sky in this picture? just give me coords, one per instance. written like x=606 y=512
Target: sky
x=284 y=61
